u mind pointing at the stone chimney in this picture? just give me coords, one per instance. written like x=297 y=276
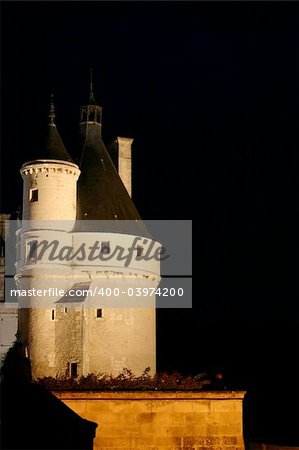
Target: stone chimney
x=125 y=161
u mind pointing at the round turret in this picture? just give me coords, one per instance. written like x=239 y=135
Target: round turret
x=50 y=182
x=49 y=213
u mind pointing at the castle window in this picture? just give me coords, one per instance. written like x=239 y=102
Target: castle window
x=83 y=115
x=98 y=116
x=33 y=195
x=53 y=315
x=74 y=369
x=99 y=313
x=31 y=252
x=105 y=247
x=65 y=310
x=91 y=116
x=2 y=247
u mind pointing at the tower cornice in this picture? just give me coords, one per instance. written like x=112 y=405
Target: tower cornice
x=49 y=166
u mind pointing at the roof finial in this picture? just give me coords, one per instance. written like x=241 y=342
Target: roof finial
x=52 y=112
x=91 y=94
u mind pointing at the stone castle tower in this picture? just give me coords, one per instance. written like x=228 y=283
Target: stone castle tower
x=62 y=201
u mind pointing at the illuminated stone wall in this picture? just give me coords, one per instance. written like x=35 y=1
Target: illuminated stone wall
x=162 y=420
x=125 y=335
x=56 y=186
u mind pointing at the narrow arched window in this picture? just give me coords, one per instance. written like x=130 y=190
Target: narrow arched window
x=91 y=116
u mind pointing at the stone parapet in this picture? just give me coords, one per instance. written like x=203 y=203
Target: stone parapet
x=203 y=420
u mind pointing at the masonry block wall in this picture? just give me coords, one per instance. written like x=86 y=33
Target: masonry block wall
x=162 y=420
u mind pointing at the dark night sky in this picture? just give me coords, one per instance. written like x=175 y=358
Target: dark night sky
x=209 y=91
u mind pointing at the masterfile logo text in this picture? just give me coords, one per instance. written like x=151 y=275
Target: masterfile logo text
x=112 y=261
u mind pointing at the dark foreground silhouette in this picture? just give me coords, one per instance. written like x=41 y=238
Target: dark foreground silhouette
x=33 y=418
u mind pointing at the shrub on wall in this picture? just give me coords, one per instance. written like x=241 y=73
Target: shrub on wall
x=127 y=381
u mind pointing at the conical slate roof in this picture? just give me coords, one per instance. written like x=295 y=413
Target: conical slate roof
x=54 y=148
x=101 y=193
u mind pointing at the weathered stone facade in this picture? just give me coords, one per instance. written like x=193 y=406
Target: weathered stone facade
x=162 y=420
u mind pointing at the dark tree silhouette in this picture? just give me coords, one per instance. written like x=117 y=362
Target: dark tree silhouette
x=32 y=417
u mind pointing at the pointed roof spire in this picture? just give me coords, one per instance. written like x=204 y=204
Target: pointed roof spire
x=52 y=112
x=54 y=147
x=92 y=100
